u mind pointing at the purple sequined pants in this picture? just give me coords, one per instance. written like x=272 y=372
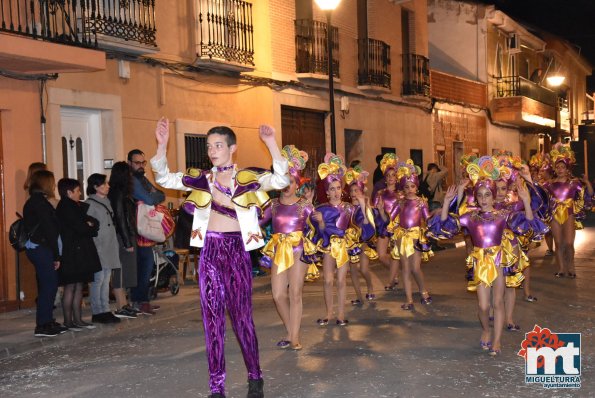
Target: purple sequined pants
x=225 y=279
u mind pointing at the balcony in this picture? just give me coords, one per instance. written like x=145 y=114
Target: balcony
x=311 y=58
x=126 y=26
x=47 y=37
x=374 y=65
x=416 y=77
x=522 y=103
x=226 y=35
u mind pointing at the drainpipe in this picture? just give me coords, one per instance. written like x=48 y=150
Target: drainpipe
x=44 y=155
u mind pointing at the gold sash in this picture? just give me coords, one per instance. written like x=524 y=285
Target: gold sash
x=561 y=212
x=281 y=247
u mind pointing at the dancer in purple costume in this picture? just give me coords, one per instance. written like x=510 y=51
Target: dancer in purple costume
x=363 y=251
x=408 y=227
x=569 y=199
x=328 y=230
x=486 y=227
x=225 y=203
x=289 y=214
x=385 y=201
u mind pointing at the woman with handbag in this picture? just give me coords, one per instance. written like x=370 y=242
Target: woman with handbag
x=43 y=249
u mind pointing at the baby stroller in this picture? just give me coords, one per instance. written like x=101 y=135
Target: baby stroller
x=165 y=273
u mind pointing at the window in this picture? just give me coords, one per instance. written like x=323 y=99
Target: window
x=196 y=152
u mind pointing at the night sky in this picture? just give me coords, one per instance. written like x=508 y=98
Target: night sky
x=573 y=20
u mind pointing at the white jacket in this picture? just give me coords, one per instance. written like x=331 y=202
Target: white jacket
x=247 y=216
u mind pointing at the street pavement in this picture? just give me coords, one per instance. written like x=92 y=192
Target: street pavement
x=383 y=352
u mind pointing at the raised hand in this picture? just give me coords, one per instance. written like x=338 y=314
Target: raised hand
x=162 y=132
x=451 y=192
x=267 y=134
x=522 y=191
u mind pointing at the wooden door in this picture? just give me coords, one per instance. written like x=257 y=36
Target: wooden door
x=305 y=129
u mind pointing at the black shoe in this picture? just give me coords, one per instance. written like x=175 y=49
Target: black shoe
x=47 y=330
x=109 y=317
x=98 y=318
x=61 y=329
x=73 y=327
x=255 y=388
x=125 y=313
x=216 y=395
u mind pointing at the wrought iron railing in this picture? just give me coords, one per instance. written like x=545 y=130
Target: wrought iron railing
x=416 y=75
x=129 y=20
x=78 y=22
x=311 y=47
x=374 y=63
x=52 y=20
x=517 y=86
x=226 y=30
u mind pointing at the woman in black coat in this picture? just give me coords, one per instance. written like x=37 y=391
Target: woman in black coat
x=43 y=249
x=79 y=255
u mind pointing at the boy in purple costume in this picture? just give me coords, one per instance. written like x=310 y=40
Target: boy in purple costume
x=226 y=203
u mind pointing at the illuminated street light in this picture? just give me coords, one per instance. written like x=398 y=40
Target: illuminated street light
x=328 y=6
x=555 y=80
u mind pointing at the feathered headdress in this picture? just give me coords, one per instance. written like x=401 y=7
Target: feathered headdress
x=297 y=162
x=536 y=161
x=562 y=153
x=389 y=161
x=508 y=166
x=468 y=158
x=407 y=172
x=484 y=172
x=333 y=169
x=356 y=176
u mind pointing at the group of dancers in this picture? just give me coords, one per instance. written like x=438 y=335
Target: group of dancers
x=500 y=205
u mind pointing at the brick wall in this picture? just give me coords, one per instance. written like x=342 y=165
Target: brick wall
x=282 y=14
x=449 y=127
x=449 y=87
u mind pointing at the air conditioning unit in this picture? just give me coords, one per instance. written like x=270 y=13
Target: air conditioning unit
x=514 y=43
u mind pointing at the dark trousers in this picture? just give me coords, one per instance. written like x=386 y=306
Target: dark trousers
x=47 y=283
x=145 y=263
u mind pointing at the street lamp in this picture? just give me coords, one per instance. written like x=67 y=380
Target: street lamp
x=328 y=6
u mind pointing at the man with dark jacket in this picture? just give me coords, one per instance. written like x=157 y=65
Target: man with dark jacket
x=143 y=191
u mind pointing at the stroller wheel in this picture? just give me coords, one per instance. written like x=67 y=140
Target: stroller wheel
x=174 y=289
x=152 y=293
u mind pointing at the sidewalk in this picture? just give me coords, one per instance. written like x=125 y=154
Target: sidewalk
x=16 y=332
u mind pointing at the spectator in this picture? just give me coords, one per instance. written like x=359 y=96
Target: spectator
x=536 y=76
x=43 y=248
x=120 y=196
x=434 y=178
x=378 y=174
x=106 y=243
x=143 y=191
x=79 y=255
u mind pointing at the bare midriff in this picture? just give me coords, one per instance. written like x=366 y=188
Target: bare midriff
x=219 y=222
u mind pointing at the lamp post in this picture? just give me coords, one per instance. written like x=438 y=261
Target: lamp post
x=328 y=6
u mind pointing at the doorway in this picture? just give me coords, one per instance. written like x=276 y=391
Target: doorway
x=304 y=128
x=82 y=147
x=458 y=150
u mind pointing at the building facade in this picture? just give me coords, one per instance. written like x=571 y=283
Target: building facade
x=104 y=81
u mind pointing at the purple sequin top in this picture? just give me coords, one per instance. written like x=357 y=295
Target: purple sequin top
x=486 y=228
x=389 y=198
x=411 y=212
x=287 y=218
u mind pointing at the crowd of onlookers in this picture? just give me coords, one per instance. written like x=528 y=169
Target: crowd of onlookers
x=74 y=242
